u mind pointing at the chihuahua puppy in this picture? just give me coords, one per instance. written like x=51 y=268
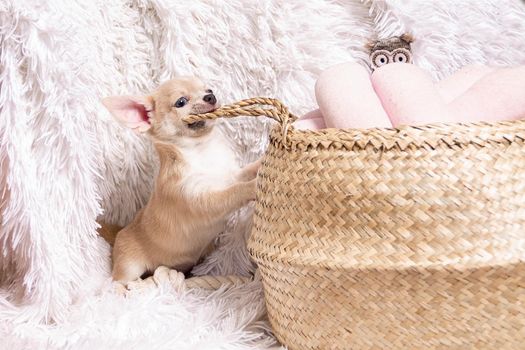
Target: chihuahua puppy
x=198 y=185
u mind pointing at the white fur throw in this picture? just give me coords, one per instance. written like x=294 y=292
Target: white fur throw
x=64 y=161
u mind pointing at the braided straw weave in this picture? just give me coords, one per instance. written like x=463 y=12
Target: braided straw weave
x=410 y=238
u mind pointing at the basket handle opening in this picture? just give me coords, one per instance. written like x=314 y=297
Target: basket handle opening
x=252 y=107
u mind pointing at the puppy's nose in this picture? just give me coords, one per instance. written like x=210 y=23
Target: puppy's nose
x=210 y=98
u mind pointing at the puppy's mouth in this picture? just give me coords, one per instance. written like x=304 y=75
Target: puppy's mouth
x=197 y=125
x=201 y=109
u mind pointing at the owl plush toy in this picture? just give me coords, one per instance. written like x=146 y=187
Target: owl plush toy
x=399 y=93
x=391 y=50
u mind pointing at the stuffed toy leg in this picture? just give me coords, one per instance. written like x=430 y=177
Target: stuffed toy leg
x=458 y=83
x=312 y=120
x=404 y=94
x=345 y=93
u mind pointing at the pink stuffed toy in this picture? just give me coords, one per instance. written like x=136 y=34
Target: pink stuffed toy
x=404 y=94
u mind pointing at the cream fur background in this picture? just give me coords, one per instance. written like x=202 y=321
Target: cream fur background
x=64 y=161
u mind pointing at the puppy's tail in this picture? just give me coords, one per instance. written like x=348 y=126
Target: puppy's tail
x=108 y=232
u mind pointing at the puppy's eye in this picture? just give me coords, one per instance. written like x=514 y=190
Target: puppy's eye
x=181 y=102
x=209 y=91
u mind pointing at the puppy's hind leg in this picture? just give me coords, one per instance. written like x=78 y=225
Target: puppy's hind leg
x=129 y=260
x=126 y=271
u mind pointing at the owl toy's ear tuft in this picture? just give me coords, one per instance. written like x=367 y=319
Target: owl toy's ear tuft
x=407 y=37
x=370 y=45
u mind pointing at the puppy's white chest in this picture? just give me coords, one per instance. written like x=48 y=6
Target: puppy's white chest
x=210 y=165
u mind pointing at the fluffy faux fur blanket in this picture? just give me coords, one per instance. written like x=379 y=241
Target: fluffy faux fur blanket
x=64 y=161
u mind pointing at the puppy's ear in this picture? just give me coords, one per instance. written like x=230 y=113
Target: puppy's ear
x=132 y=111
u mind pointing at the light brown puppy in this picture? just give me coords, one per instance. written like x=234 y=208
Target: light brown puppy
x=198 y=185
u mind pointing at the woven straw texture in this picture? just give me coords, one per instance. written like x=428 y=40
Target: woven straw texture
x=410 y=238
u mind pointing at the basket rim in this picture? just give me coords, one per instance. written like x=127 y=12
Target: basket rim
x=429 y=136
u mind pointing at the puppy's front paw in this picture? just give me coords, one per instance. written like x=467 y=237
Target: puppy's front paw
x=251 y=190
x=249 y=172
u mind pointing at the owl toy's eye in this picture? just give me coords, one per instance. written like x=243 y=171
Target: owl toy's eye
x=402 y=56
x=380 y=58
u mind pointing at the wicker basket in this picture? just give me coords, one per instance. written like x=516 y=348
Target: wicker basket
x=410 y=238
